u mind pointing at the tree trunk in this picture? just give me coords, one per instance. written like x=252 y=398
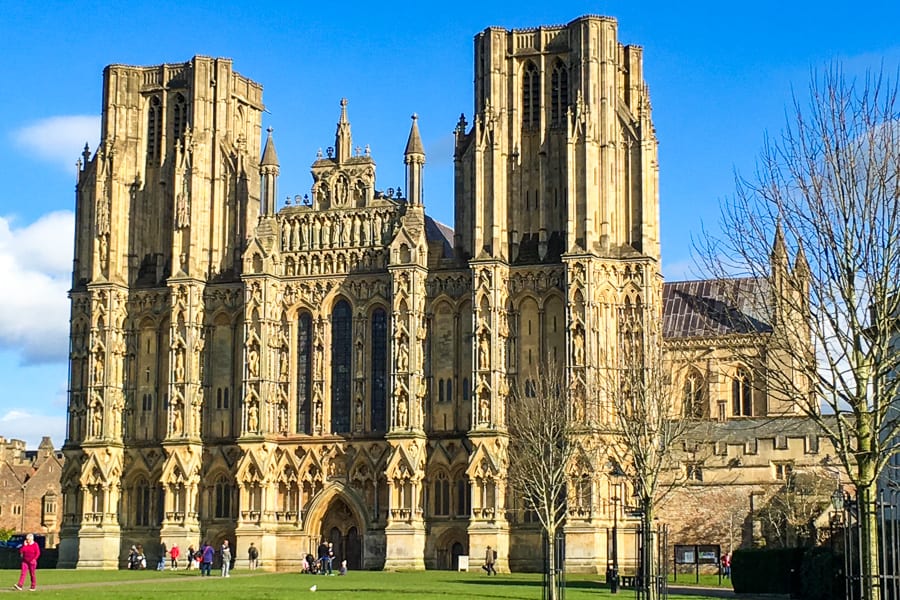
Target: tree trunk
x=648 y=565
x=867 y=505
x=551 y=547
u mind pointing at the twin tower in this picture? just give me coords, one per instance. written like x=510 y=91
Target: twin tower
x=340 y=368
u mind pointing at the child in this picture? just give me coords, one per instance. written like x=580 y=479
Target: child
x=343 y=569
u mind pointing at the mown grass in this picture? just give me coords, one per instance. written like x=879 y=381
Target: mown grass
x=428 y=585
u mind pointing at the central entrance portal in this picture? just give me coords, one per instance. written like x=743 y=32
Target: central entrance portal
x=341 y=528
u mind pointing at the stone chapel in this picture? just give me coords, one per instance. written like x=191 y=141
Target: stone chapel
x=338 y=368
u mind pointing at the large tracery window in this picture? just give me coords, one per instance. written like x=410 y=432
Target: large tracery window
x=531 y=96
x=341 y=352
x=741 y=394
x=304 y=383
x=379 y=369
x=559 y=93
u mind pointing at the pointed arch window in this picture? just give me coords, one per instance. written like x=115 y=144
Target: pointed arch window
x=142 y=503
x=531 y=96
x=463 y=495
x=693 y=395
x=304 y=381
x=559 y=93
x=742 y=394
x=441 y=495
x=179 y=116
x=341 y=351
x=154 y=129
x=379 y=369
x=222 y=500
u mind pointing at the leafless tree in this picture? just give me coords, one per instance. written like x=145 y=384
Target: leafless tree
x=828 y=189
x=640 y=388
x=788 y=517
x=543 y=440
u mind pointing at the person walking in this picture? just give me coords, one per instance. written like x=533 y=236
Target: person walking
x=323 y=557
x=253 y=556
x=191 y=557
x=207 y=553
x=29 y=552
x=226 y=559
x=174 y=553
x=489 y=557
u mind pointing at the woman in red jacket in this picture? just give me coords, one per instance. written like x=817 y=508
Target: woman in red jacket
x=30 y=553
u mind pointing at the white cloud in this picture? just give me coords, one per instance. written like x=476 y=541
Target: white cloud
x=20 y=424
x=60 y=139
x=35 y=265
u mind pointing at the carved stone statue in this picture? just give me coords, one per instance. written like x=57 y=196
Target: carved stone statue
x=578 y=346
x=177 y=419
x=253 y=362
x=402 y=411
x=485 y=411
x=252 y=418
x=484 y=351
x=179 y=364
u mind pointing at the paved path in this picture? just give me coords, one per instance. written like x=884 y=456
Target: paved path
x=150 y=580
x=710 y=592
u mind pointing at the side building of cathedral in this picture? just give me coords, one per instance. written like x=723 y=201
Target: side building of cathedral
x=339 y=368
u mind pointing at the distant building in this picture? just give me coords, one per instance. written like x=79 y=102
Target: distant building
x=29 y=488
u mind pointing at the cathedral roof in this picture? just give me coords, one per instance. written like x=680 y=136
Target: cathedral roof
x=436 y=231
x=713 y=307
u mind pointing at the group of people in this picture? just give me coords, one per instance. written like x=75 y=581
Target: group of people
x=201 y=559
x=324 y=565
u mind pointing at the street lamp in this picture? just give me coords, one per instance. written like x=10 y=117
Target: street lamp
x=612 y=573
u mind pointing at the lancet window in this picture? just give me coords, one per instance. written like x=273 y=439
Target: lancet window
x=741 y=394
x=154 y=129
x=379 y=369
x=531 y=96
x=341 y=351
x=304 y=383
x=559 y=93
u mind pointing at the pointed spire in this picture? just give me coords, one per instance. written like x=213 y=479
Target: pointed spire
x=414 y=157
x=801 y=265
x=414 y=143
x=779 y=248
x=343 y=143
x=270 y=157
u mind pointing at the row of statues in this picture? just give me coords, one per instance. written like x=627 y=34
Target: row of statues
x=336 y=231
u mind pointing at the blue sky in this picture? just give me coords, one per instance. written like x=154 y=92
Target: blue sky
x=720 y=77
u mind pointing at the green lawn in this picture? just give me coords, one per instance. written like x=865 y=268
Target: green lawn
x=96 y=585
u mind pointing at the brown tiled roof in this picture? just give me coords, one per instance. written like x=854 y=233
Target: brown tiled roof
x=714 y=307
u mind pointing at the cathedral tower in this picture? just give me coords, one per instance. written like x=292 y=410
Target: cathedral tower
x=557 y=210
x=163 y=207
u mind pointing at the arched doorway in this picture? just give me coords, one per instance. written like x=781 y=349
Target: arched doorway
x=341 y=528
x=455 y=552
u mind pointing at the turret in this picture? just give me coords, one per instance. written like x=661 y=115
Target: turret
x=414 y=158
x=268 y=170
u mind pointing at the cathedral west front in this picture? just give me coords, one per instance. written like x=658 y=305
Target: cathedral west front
x=339 y=367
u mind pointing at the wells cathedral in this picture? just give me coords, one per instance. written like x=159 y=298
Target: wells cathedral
x=339 y=367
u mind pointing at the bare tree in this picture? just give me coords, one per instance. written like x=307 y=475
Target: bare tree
x=543 y=441
x=641 y=390
x=788 y=517
x=828 y=188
